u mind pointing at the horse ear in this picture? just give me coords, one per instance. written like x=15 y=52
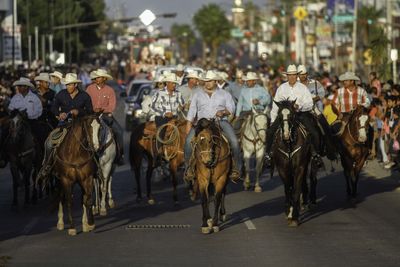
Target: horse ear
x=277 y=103
x=293 y=102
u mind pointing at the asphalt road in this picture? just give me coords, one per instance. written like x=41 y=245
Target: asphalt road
x=334 y=233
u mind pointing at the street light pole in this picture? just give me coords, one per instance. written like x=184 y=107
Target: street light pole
x=354 y=52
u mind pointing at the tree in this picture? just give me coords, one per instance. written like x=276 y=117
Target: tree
x=184 y=36
x=213 y=26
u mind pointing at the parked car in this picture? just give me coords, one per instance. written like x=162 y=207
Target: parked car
x=134 y=113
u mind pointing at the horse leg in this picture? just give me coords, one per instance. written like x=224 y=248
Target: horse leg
x=205 y=228
x=68 y=199
x=172 y=170
x=246 y=157
x=60 y=215
x=222 y=211
x=111 y=202
x=149 y=172
x=87 y=217
x=219 y=192
x=136 y=166
x=96 y=205
x=27 y=180
x=304 y=195
x=103 y=188
x=313 y=186
x=296 y=192
x=259 y=167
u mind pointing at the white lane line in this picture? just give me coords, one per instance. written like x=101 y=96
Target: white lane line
x=249 y=224
x=30 y=225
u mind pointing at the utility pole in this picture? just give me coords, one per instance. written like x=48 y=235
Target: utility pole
x=354 y=52
x=389 y=25
x=335 y=41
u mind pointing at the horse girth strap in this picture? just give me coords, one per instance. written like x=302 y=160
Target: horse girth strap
x=72 y=165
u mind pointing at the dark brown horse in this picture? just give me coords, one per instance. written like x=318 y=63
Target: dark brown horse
x=291 y=156
x=354 y=147
x=213 y=163
x=75 y=163
x=145 y=142
x=22 y=151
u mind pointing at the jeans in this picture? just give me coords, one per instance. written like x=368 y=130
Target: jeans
x=117 y=130
x=232 y=139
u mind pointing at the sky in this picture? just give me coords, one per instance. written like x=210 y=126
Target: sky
x=185 y=9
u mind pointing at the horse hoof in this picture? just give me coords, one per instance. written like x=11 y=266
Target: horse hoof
x=205 y=230
x=86 y=228
x=60 y=226
x=72 y=232
x=258 y=189
x=293 y=223
x=111 y=204
x=151 y=201
x=103 y=212
x=224 y=218
x=210 y=223
x=215 y=229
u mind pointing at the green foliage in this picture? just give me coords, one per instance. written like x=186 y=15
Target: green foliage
x=50 y=13
x=213 y=26
x=184 y=36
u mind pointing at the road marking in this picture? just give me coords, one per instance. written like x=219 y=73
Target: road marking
x=30 y=225
x=249 y=224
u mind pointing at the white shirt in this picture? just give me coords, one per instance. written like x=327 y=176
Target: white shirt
x=298 y=92
x=31 y=103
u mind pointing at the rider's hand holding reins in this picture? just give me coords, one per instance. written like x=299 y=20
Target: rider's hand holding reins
x=256 y=101
x=222 y=113
x=168 y=115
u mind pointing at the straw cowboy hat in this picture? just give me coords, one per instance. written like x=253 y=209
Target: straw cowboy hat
x=71 y=78
x=210 y=76
x=301 y=69
x=57 y=74
x=180 y=67
x=23 y=82
x=348 y=76
x=251 y=76
x=291 y=69
x=239 y=74
x=43 y=76
x=223 y=76
x=159 y=79
x=192 y=75
x=100 y=73
x=170 y=77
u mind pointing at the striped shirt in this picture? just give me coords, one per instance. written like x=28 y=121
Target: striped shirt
x=346 y=100
x=163 y=102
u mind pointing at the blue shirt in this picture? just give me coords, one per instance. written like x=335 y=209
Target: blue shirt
x=205 y=106
x=234 y=89
x=246 y=99
x=31 y=103
x=64 y=103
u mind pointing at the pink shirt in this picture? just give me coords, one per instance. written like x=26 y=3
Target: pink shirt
x=103 y=98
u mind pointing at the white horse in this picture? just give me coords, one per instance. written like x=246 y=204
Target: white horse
x=107 y=167
x=252 y=139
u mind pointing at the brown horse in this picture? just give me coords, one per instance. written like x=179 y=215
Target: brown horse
x=213 y=162
x=145 y=142
x=354 y=147
x=75 y=163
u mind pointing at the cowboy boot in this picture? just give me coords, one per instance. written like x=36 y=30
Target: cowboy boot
x=235 y=173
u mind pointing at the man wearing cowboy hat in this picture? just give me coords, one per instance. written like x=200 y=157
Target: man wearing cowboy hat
x=46 y=96
x=251 y=97
x=293 y=90
x=69 y=101
x=179 y=72
x=167 y=102
x=315 y=87
x=235 y=87
x=104 y=101
x=348 y=97
x=211 y=102
x=56 y=84
x=189 y=89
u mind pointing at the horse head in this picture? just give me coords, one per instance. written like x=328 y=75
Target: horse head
x=18 y=124
x=206 y=135
x=360 y=121
x=259 y=122
x=92 y=127
x=286 y=115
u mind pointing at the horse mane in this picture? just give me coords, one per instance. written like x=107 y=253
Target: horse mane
x=206 y=124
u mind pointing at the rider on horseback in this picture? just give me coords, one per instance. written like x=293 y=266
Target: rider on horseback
x=104 y=101
x=294 y=90
x=251 y=97
x=69 y=101
x=209 y=103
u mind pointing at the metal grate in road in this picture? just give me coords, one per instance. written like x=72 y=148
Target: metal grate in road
x=156 y=226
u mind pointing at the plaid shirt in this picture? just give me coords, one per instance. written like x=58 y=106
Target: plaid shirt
x=346 y=100
x=162 y=102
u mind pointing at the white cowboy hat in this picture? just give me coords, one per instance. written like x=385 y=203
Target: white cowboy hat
x=210 y=76
x=291 y=69
x=180 y=67
x=239 y=74
x=170 y=77
x=251 y=76
x=192 y=75
x=43 y=76
x=159 y=79
x=101 y=73
x=223 y=76
x=301 y=69
x=23 y=82
x=57 y=74
x=348 y=76
x=71 y=78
